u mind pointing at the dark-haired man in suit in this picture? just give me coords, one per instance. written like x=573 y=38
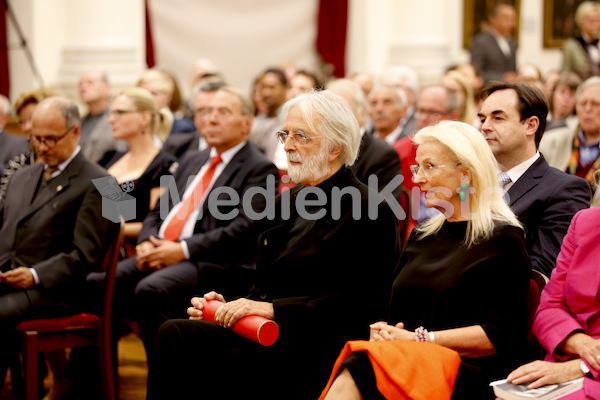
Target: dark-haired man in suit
x=186 y=246
x=513 y=119
x=52 y=230
x=494 y=52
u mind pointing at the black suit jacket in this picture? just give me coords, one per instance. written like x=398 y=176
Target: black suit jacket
x=10 y=147
x=329 y=282
x=545 y=200
x=487 y=56
x=60 y=232
x=218 y=240
x=376 y=157
x=177 y=144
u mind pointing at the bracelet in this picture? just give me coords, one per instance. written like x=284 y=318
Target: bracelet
x=431 y=337
x=421 y=334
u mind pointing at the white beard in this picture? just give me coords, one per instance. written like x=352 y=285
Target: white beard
x=313 y=167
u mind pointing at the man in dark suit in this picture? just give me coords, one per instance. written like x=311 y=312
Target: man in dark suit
x=196 y=241
x=10 y=145
x=375 y=157
x=315 y=280
x=387 y=109
x=52 y=230
x=494 y=52
x=177 y=145
x=513 y=119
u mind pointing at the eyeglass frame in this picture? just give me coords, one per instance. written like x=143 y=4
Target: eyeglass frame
x=50 y=139
x=297 y=138
x=431 y=113
x=416 y=168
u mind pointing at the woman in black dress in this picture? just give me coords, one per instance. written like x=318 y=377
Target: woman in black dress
x=463 y=277
x=136 y=119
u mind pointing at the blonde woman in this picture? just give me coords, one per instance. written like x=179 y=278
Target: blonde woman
x=462 y=282
x=136 y=119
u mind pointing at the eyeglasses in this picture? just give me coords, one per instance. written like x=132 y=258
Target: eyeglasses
x=120 y=113
x=427 y=170
x=49 y=141
x=298 y=137
x=221 y=112
x=431 y=113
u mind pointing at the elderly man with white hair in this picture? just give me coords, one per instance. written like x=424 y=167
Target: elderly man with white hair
x=324 y=268
x=10 y=145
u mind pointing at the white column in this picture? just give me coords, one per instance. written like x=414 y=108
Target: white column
x=102 y=34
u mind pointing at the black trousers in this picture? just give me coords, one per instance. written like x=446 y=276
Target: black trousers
x=201 y=360
x=153 y=297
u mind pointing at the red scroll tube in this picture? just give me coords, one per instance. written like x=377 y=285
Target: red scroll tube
x=258 y=329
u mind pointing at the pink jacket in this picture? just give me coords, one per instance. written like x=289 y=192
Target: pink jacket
x=570 y=301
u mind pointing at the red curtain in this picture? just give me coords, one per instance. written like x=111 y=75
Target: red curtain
x=331 y=34
x=4 y=78
x=150 y=61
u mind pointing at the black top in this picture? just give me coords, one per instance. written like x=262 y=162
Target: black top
x=442 y=284
x=148 y=180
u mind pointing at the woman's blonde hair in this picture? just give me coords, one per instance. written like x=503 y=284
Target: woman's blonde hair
x=467 y=109
x=469 y=149
x=162 y=119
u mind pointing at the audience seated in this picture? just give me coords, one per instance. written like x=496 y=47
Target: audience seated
x=566 y=322
x=458 y=265
x=96 y=139
x=136 y=119
x=319 y=291
x=435 y=103
x=302 y=82
x=10 y=145
x=513 y=119
x=365 y=80
x=177 y=145
x=375 y=157
x=24 y=107
x=387 y=109
x=576 y=150
x=165 y=90
x=456 y=81
x=273 y=86
x=562 y=102
x=190 y=242
x=580 y=54
x=407 y=79
x=530 y=74
x=52 y=230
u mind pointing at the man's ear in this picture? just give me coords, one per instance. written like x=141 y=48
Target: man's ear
x=76 y=131
x=533 y=123
x=335 y=152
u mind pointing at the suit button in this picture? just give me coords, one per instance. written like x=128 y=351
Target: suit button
x=265 y=242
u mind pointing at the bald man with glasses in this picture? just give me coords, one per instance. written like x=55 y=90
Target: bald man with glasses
x=52 y=232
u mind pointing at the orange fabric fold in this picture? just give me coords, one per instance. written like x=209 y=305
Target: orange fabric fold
x=406 y=370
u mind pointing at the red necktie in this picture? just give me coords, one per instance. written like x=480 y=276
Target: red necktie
x=176 y=224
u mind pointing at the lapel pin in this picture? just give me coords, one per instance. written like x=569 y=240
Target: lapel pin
x=59 y=188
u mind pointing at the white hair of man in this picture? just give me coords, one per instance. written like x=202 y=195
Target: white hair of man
x=402 y=75
x=592 y=81
x=338 y=124
x=585 y=8
x=400 y=93
x=469 y=149
x=358 y=95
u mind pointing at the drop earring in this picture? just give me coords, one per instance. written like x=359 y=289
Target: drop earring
x=464 y=187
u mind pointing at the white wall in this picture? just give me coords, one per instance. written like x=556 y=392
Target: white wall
x=68 y=36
